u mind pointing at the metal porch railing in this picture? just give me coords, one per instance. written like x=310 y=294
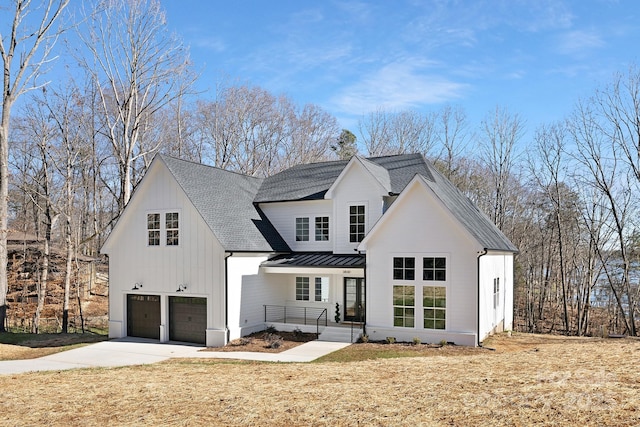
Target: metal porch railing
x=296 y=315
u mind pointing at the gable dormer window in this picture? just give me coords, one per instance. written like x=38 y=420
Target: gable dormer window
x=153 y=229
x=302 y=229
x=356 y=223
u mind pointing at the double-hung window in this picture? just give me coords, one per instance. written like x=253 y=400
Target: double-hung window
x=322 y=228
x=172 y=228
x=404 y=306
x=302 y=289
x=434 y=303
x=356 y=223
x=153 y=229
x=496 y=293
x=302 y=229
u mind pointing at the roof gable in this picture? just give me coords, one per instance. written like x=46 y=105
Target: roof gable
x=312 y=181
x=379 y=174
x=473 y=221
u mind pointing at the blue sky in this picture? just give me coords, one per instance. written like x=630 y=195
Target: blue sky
x=535 y=58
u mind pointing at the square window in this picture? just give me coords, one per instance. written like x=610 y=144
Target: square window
x=404 y=268
x=434 y=269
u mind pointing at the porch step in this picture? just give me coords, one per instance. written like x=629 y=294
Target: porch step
x=336 y=334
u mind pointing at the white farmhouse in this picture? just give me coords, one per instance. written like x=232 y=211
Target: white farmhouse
x=384 y=246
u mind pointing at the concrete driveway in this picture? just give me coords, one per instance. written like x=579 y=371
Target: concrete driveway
x=134 y=351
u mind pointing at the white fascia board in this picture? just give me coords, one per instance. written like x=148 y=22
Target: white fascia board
x=416 y=180
x=350 y=165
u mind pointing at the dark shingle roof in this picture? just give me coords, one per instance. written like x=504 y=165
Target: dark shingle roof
x=316 y=259
x=468 y=214
x=311 y=181
x=225 y=201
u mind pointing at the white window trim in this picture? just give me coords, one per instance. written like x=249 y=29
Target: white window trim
x=163 y=227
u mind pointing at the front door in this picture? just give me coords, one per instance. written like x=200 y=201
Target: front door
x=353 y=299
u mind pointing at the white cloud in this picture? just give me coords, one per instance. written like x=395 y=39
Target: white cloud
x=398 y=86
x=210 y=43
x=578 y=42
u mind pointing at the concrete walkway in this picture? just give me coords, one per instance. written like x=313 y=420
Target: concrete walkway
x=128 y=351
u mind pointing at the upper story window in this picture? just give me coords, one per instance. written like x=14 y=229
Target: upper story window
x=322 y=228
x=302 y=229
x=404 y=268
x=356 y=223
x=153 y=229
x=169 y=228
x=172 y=226
x=434 y=268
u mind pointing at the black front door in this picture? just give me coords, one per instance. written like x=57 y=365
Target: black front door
x=353 y=299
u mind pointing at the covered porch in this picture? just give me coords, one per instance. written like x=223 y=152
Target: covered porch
x=320 y=293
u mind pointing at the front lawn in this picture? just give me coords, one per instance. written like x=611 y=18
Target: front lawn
x=15 y=346
x=523 y=380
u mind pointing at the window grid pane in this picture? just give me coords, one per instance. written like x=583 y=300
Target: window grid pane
x=404 y=268
x=153 y=227
x=322 y=228
x=434 y=268
x=403 y=306
x=172 y=226
x=302 y=289
x=302 y=229
x=356 y=223
x=434 y=303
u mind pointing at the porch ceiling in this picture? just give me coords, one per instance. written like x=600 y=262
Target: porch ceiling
x=316 y=260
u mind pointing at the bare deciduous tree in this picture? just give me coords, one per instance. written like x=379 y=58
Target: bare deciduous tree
x=34 y=46
x=133 y=62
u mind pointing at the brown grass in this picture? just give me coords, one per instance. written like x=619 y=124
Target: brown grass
x=527 y=380
x=44 y=345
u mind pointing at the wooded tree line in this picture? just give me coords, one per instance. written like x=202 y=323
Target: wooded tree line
x=564 y=193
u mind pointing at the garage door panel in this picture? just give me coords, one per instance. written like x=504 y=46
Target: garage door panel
x=143 y=316
x=187 y=319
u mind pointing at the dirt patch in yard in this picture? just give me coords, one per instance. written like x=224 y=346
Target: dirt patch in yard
x=266 y=342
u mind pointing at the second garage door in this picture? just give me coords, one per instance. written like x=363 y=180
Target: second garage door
x=187 y=319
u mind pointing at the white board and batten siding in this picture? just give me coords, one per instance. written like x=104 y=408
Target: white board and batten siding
x=197 y=262
x=497 y=308
x=283 y=217
x=248 y=291
x=356 y=187
x=418 y=226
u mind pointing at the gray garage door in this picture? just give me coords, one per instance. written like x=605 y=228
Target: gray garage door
x=187 y=319
x=143 y=316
